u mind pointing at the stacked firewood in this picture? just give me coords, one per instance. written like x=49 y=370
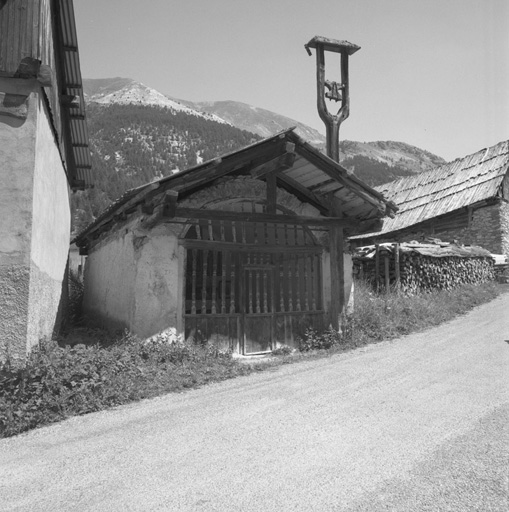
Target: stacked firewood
x=421 y=267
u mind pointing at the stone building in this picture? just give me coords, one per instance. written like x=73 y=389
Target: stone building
x=43 y=156
x=466 y=200
x=245 y=251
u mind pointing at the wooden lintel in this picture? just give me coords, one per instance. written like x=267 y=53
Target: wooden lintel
x=275 y=165
x=242 y=247
x=196 y=213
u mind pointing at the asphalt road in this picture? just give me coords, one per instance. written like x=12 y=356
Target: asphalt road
x=416 y=424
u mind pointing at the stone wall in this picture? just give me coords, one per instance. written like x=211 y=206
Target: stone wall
x=488 y=227
x=484 y=230
x=504 y=227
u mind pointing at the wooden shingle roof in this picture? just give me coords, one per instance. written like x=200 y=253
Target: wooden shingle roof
x=311 y=176
x=450 y=187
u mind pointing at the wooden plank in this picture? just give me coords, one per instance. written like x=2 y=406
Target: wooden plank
x=197 y=213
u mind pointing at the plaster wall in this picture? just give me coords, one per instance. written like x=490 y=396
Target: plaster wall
x=157 y=283
x=131 y=280
x=110 y=276
x=51 y=226
x=17 y=159
x=34 y=230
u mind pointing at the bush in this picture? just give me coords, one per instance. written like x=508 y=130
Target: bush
x=283 y=350
x=314 y=341
x=58 y=382
x=387 y=315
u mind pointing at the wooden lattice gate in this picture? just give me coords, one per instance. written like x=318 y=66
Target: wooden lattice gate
x=249 y=286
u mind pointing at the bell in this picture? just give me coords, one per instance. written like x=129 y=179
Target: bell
x=334 y=91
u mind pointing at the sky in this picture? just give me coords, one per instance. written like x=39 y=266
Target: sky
x=431 y=73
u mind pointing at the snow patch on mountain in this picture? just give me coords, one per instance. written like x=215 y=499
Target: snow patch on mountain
x=136 y=93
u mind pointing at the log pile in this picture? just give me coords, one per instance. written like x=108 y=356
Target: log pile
x=413 y=266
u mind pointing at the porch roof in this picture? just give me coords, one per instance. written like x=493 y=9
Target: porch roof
x=300 y=168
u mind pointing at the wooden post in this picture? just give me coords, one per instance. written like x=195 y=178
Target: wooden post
x=396 y=265
x=386 y=270
x=377 y=267
x=271 y=193
x=337 y=264
x=337 y=276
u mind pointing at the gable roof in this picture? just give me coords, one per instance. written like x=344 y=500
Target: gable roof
x=452 y=186
x=309 y=174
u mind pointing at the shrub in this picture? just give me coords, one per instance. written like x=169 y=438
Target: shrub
x=283 y=350
x=314 y=341
x=58 y=382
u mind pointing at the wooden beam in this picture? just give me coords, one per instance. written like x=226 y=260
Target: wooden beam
x=303 y=193
x=271 y=193
x=169 y=204
x=275 y=165
x=241 y=247
x=196 y=213
x=329 y=168
x=335 y=253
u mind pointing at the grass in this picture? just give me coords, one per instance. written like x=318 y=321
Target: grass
x=63 y=381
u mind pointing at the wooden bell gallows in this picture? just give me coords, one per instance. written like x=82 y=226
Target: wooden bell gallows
x=334 y=91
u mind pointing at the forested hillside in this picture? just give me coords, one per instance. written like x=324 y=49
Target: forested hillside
x=134 y=144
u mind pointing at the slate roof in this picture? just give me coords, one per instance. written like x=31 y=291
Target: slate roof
x=452 y=186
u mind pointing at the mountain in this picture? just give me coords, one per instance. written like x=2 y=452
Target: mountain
x=138 y=134
x=125 y=91
x=374 y=162
x=257 y=120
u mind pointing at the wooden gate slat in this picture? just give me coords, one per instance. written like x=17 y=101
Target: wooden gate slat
x=214 y=282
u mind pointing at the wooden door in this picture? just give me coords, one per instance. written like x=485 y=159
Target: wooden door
x=251 y=286
x=258 y=304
